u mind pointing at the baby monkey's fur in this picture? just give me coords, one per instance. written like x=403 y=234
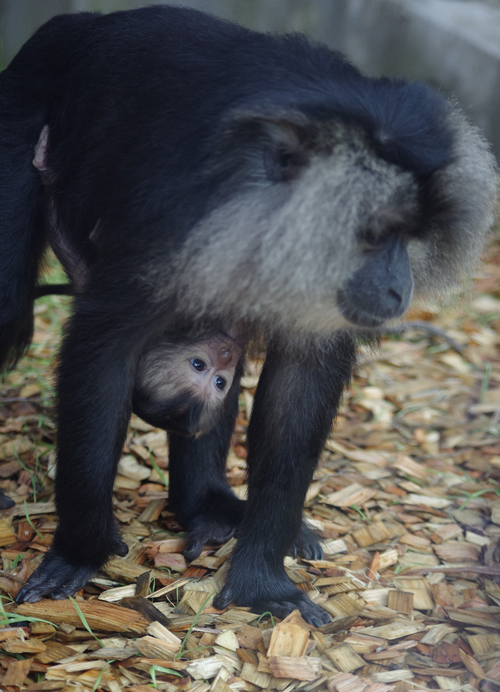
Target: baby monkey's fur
x=217 y=183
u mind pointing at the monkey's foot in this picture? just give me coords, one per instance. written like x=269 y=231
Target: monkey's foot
x=277 y=596
x=55 y=578
x=306 y=544
x=58 y=578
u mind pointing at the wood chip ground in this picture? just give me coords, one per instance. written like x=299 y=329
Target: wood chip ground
x=406 y=500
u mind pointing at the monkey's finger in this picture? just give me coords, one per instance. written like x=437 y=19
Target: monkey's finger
x=312 y=613
x=121 y=548
x=193 y=549
x=307 y=544
x=5 y=501
x=223 y=598
x=311 y=551
x=207 y=531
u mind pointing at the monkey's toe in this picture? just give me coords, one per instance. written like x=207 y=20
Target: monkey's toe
x=312 y=613
x=281 y=603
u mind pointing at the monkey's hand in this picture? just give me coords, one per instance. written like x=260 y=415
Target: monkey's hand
x=306 y=544
x=219 y=519
x=5 y=502
x=55 y=578
x=58 y=578
x=213 y=522
x=249 y=585
x=207 y=531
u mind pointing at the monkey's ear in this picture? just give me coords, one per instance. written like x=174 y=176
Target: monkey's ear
x=285 y=151
x=283 y=136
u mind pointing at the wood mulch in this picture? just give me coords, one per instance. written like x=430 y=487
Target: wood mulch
x=406 y=500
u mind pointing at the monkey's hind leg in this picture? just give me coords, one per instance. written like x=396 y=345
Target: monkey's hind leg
x=21 y=228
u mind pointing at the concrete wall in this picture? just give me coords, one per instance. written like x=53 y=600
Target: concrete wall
x=21 y=17
x=454 y=44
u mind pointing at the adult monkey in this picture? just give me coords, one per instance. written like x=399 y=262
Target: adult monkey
x=238 y=178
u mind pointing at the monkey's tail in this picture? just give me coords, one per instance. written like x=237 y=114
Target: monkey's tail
x=21 y=223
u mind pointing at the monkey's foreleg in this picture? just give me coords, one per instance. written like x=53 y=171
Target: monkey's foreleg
x=293 y=409
x=94 y=393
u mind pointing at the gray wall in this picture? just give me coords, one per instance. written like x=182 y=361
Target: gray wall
x=20 y=18
x=454 y=44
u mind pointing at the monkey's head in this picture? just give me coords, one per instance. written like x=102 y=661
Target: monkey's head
x=330 y=211
x=182 y=387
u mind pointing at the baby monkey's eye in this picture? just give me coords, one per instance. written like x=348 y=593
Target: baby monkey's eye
x=198 y=364
x=220 y=382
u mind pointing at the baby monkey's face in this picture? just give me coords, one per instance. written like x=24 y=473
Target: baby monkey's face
x=182 y=387
x=209 y=367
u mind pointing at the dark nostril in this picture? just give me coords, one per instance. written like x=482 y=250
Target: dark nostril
x=396 y=295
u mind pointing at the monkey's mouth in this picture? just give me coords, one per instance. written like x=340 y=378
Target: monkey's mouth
x=363 y=319
x=358 y=316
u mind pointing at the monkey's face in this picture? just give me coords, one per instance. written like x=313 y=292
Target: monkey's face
x=318 y=224
x=320 y=244
x=208 y=369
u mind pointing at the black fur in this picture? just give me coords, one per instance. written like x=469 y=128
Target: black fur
x=158 y=118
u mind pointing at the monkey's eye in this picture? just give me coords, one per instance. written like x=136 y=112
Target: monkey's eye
x=371 y=241
x=286 y=158
x=370 y=238
x=220 y=382
x=284 y=164
x=198 y=364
